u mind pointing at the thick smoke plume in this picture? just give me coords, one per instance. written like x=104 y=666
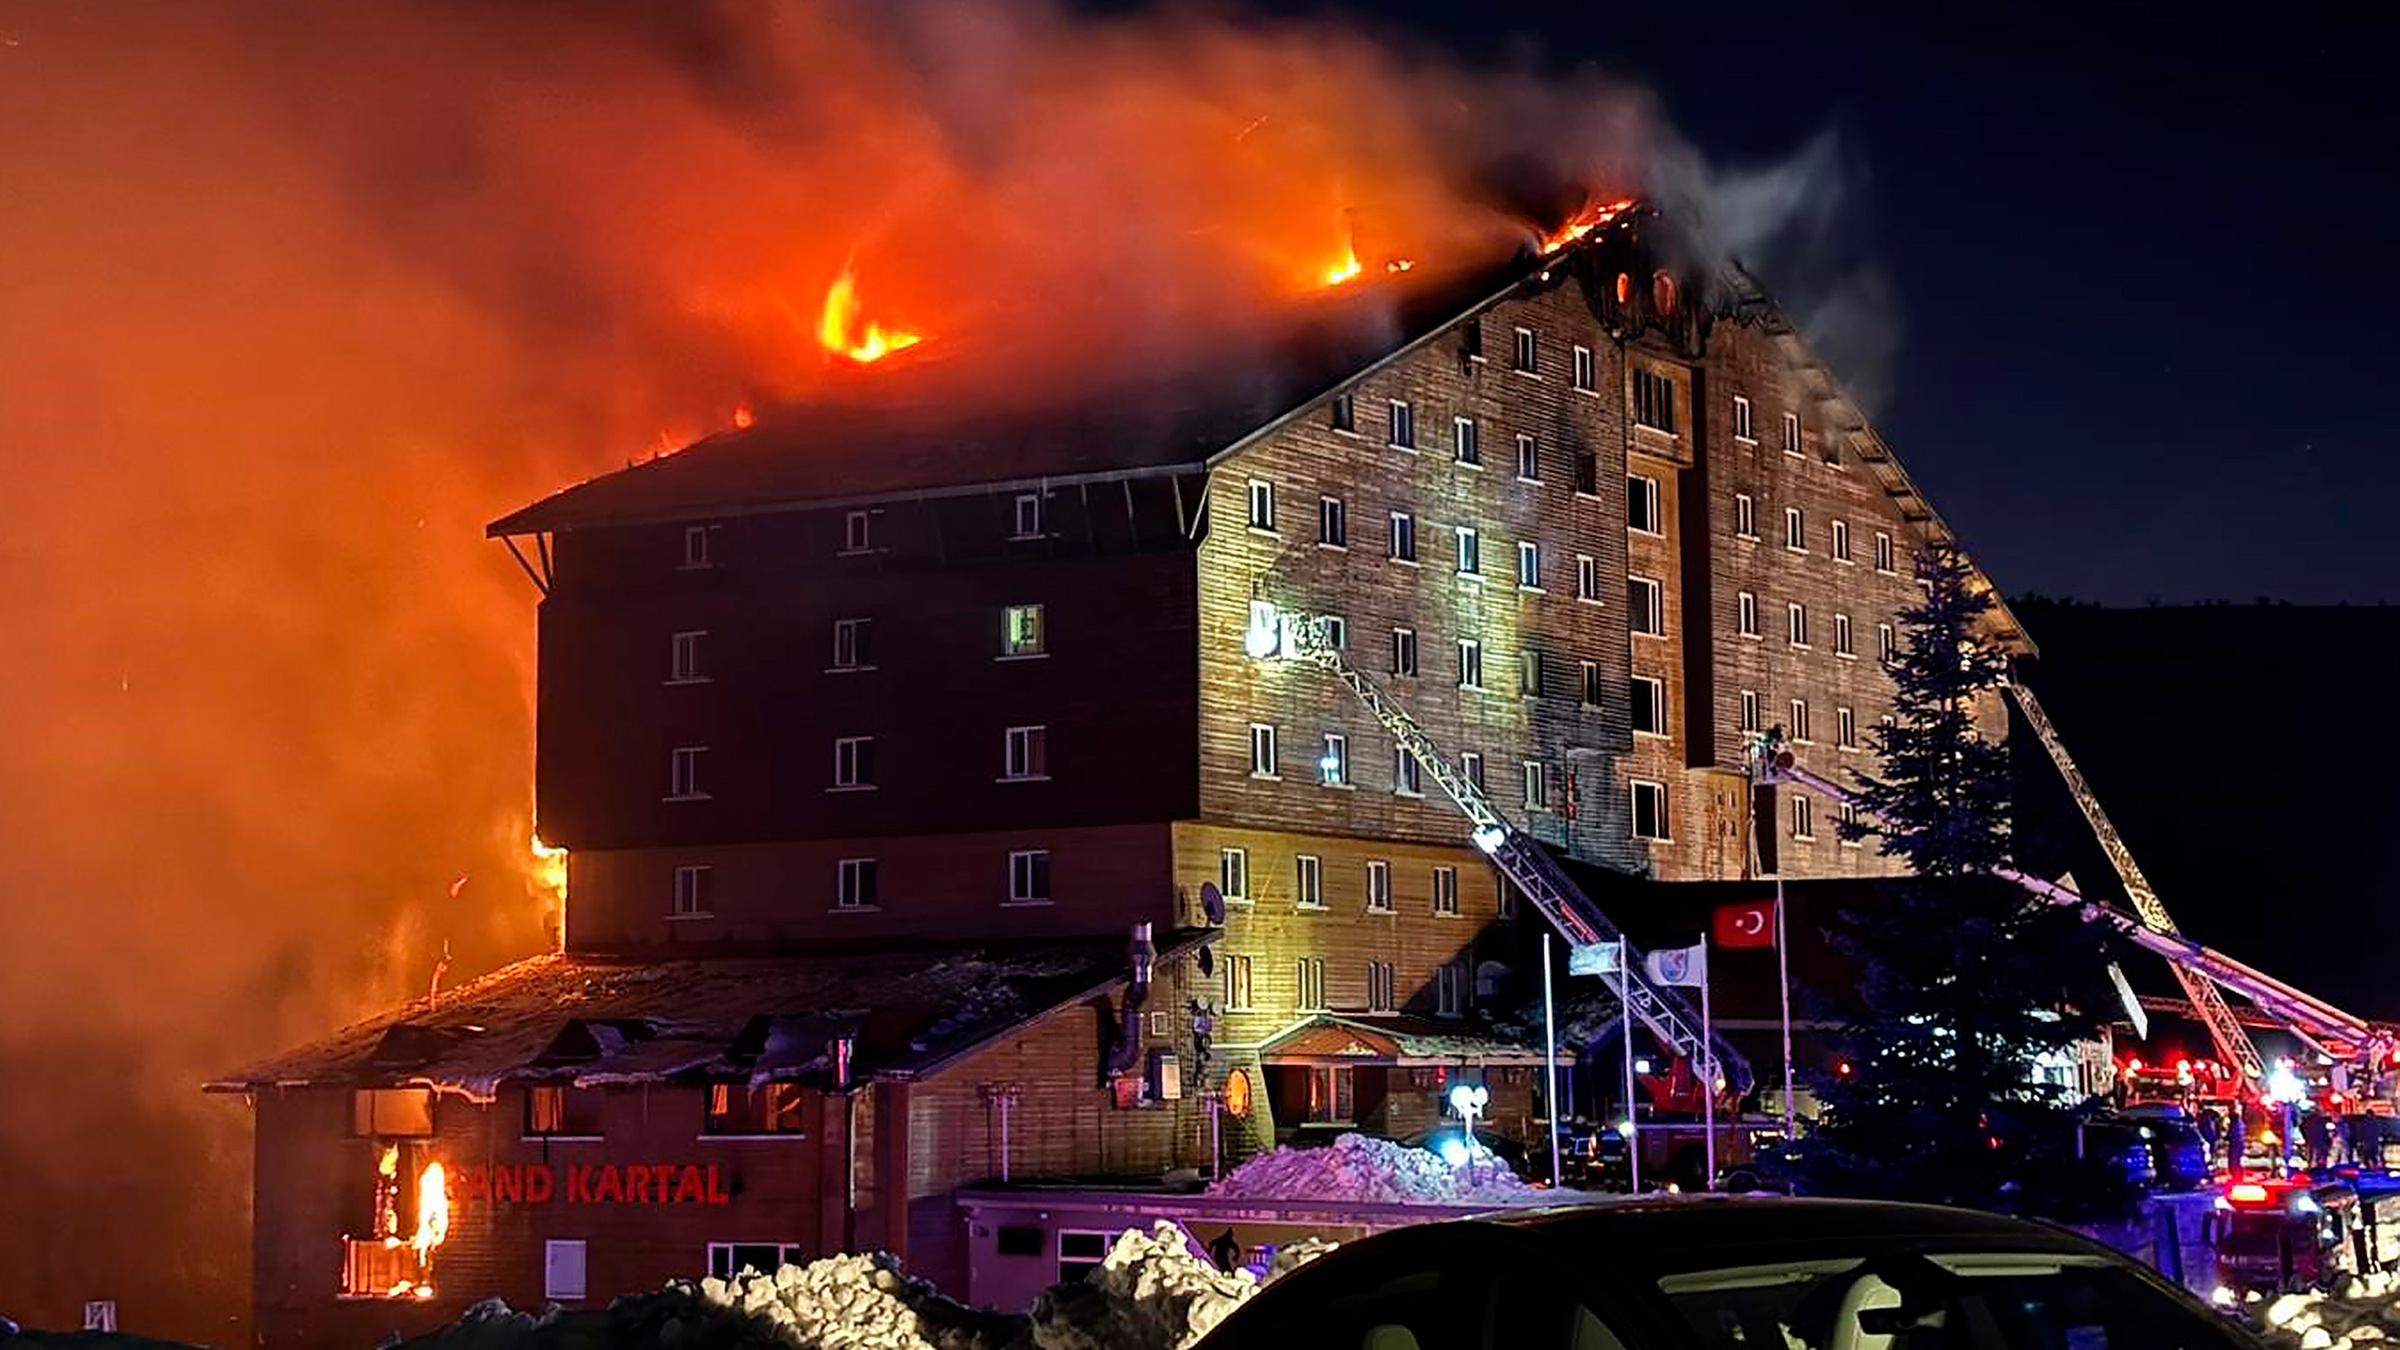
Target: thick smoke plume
x=294 y=298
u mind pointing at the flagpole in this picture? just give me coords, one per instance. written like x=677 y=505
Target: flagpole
x=1633 y=1121
x=1708 y=1077
x=1783 y=977
x=1550 y=1059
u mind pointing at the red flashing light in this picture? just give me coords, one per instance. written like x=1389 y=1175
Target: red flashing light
x=2133 y=1066
x=1843 y=1069
x=2246 y=1193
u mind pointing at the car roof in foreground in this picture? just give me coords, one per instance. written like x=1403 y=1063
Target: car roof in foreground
x=1665 y=1231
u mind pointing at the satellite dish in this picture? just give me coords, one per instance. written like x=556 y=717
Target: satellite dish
x=1212 y=904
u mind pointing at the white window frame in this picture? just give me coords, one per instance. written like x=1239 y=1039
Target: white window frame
x=1797 y=727
x=1445 y=892
x=560 y=1290
x=1793 y=442
x=683 y=774
x=1525 y=352
x=850 y=779
x=1233 y=874
x=1795 y=625
x=1647 y=597
x=690 y=893
x=1333 y=523
x=1535 y=779
x=1804 y=819
x=1532 y=677
x=1025 y=865
x=1795 y=529
x=1845 y=821
x=1749 y=713
x=1040 y=647
x=1883 y=552
x=1743 y=430
x=1745 y=614
x=1025 y=754
x=1745 y=516
x=1887 y=645
x=1309 y=975
x=1343 y=413
x=1470 y=552
x=1529 y=565
x=858 y=532
x=1308 y=881
x=1642 y=488
x=1657 y=792
x=1400 y=431
x=1401 y=546
x=1333 y=767
x=856 y=885
x=1383 y=987
x=1845 y=728
x=1840 y=543
x=1028 y=516
x=1651 y=691
x=1240 y=993
x=1587 y=578
x=846 y=633
x=1529 y=458
x=1590 y=691
x=1586 y=371
x=1470 y=663
x=1266 y=754
x=1408 y=775
x=684 y=649
x=1450 y=989
x=1379 y=886
x=1404 y=653
x=1262 y=506
x=699 y=548
x=1470 y=766
x=1843 y=644
x=1466 y=442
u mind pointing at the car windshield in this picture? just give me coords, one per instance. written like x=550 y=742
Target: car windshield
x=1939 y=1300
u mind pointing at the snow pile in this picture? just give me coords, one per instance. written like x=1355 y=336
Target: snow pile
x=1357 y=1167
x=2363 y=1313
x=1152 y=1292
x=857 y=1302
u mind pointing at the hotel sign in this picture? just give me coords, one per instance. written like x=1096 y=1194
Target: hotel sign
x=656 y=1184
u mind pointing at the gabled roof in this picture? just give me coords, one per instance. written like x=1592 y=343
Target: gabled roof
x=601 y=1020
x=1329 y=1038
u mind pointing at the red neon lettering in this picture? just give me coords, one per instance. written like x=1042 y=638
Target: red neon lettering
x=508 y=1184
x=475 y=1185
x=687 y=1186
x=637 y=1183
x=610 y=1188
x=717 y=1194
x=579 y=1183
x=538 y=1183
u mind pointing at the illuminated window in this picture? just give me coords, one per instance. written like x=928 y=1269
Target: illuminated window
x=1237 y=983
x=1798 y=726
x=1029 y=516
x=1333 y=767
x=1649 y=810
x=1654 y=401
x=1468 y=440
x=1445 y=891
x=1587 y=578
x=390 y=1113
x=1029 y=876
x=1333 y=523
x=1586 y=371
x=858 y=532
x=1649 y=706
x=1470 y=664
x=1262 y=505
x=854 y=761
x=1641 y=504
x=1345 y=414
x=1745 y=516
x=1403 y=426
x=1841 y=541
x=1022 y=631
x=1308 y=881
x=1404 y=652
x=1405 y=772
x=763 y=1108
x=1525 y=351
x=1264 y=761
x=555 y=1110
x=692 y=894
x=684 y=650
x=854 y=883
x=1745 y=611
x=1529 y=459
x=1379 y=886
x=1749 y=710
x=1645 y=602
x=1741 y=419
x=1404 y=537
x=853 y=644
x=1662 y=293
x=683 y=773
x=1330 y=1098
x=1025 y=753
x=1233 y=873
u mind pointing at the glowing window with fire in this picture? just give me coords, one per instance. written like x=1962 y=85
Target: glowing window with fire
x=1022 y=632
x=753 y=1108
x=558 y=1111
x=388 y=1251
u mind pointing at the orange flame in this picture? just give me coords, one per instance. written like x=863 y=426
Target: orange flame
x=1584 y=222
x=433 y=1214
x=547 y=869
x=1344 y=269
x=840 y=331
x=743 y=420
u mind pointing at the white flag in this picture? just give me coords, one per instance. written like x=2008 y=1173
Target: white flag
x=1597 y=958
x=1678 y=965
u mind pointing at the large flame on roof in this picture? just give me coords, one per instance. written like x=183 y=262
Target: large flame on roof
x=1584 y=222
x=841 y=331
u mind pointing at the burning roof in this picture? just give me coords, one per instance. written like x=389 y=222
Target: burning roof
x=594 y=1020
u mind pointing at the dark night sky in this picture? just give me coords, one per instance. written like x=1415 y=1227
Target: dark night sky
x=2142 y=262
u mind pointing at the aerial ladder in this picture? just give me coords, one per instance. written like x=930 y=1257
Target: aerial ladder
x=1288 y=635
x=2323 y=1027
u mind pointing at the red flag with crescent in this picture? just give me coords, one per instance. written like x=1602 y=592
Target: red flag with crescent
x=1750 y=924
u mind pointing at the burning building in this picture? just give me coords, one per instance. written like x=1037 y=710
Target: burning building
x=883 y=734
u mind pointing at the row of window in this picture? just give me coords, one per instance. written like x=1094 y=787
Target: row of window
x=1308 y=981
x=1744 y=428
x=1795 y=533
x=1028 y=519
x=1023 y=634
x=1804 y=821
x=1798 y=726
x=1308 y=884
x=1797 y=633
x=855 y=886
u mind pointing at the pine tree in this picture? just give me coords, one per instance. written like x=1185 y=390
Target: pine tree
x=1966 y=980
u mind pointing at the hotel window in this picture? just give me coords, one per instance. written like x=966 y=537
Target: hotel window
x=858 y=532
x=1525 y=350
x=1804 y=819
x=1529 y=565
x=1470 y=339
x=1745 y=516
x=1405 y=771
x=1383 y=989
x=854 y=884
x=1587 y=578
x=1025 y=753
x=1404 y=537
x=853 y=644
x=1330 y=1099
x=1649 y=706
x=1379 y=886
x=1445 y=890
x=1742 y=430
x=683 y=657
x=1403 y=426
x=1799 y=723
x=1795 y=530
x=1593 y=692
x=1791 y=433
x=691 y=895
x=1337 y=632
x=1333 y=523
x=1345 y=413
x=1470 y=664
x=563 y=1269
x=1537 y=785
x=1470 y=552
x=1262 y=505
x=1333 y=767
x=1467 y=441
x=1263 y=759
x=1654 y=401
x=1649 y=810
x=1233 y=873
x=1745 y=610
x=1845 y=728
x=1529 y=459
x=557 y=1111
x=683 y=773
x=699 y=547
x=1404 y=652
x=1645 y=601
x=1795 y=624
x=1841 y=541
x=1029 y=516
x=1504 y=900
x=854 y=761
x=1841 y=636
x=391 y=1113
x=1883 y=552
x=1529 y=674
x=1237 y=983
x=1023 y=632
x=1450 y=990
x=726 y=1259
x=1308 y=881
x=1641 y=503
x=1470 y=763
x=1310 y=973
x=1846 y=826
x=744 y=1108
x=1749 y=710
x=1884 y=644
x=1587 y=376
x=1587 y=474
x=1029 y=876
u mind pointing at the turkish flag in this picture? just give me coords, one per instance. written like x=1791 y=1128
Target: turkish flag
x=1746 y=925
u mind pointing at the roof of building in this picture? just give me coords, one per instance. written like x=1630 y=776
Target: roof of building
x=590 y=1020
x=1397 y=1040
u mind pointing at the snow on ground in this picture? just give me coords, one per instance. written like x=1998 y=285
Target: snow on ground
x=1376 y=1171
x=2363 y=1313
